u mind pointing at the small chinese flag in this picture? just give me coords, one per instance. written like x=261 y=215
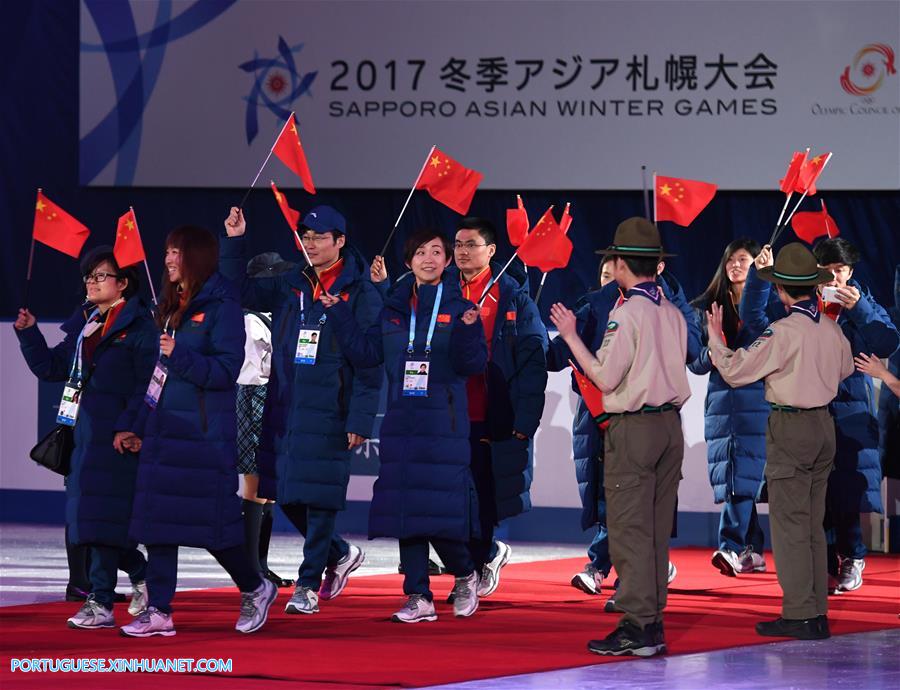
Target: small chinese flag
x=449 y=182
x=290 y=215
x=808 y=225
x=592 y=396
x=56 y=228
x=546 y=246
x=788 y=184
x=681 y=200
x=517 y=223
x=128 y=249
x=809 y=173
x=290 y=151
x=566 y=219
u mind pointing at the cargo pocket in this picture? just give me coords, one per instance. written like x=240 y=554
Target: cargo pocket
x=779 y=471
x=621 y=482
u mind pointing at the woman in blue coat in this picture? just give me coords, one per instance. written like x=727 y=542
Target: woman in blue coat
x=187 y=478
x=735 y=418
x=107 y=354
x=430 y=340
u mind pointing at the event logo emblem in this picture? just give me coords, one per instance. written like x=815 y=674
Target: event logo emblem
x=870 y=66
x=277 y=84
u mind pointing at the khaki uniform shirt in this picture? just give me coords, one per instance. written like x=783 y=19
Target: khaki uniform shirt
x=803 y=358
x=641 y=359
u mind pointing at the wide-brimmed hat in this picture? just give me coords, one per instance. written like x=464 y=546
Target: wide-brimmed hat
x=636 y=237
x=267 y=265
x=795 y=265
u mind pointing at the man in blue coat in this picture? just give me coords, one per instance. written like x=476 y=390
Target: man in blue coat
x=855 y=484
x=319 y=406
x=507 y=399
x=592 y=314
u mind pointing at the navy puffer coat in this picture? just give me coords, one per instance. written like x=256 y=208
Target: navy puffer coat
x=310 y=409
x=425 y=486
x=187 y=475
x=100 y=487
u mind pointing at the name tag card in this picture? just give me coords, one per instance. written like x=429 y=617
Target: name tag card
x=307 y=346
x=415 y=378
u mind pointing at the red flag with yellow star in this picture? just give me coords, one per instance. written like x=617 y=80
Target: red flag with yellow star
x=517 y=223
x=449 y=182
x=128 y=249
x=546 y=246
x=592 y=396
x=290 y=151
x=809 y=173
x=56 y=228
x=680 y=200
x=566 y=221
x=788 y=184
x=290 y=215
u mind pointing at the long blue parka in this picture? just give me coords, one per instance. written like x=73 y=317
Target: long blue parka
x=310 y=409
x=100 y=487
x=517 y=380
x=187 y=475
x=888 y=402
x=735 y=418
x=592 y=314
x=424 y=487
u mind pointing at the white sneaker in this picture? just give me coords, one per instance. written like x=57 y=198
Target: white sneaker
x=751 y=562
x=727 y=562
x=151 y=622
x=673 y=573
x=138 y=598
x=304 y=600
x=255 y=607
x=465 y=599
x=92 y=615
x=417 y=609
x=850 y=575
x=588 y=580
x=490 y=573
x=336 y=578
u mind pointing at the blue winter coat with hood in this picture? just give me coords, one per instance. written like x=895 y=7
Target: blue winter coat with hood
x=424 y=487
x=187 y=475
x=735 y=418
x=100 y=487
x=310 y=409
x=592 y=313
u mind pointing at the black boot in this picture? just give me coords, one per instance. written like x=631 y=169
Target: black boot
x=265 y=536
x=252 y=512
x=79 y=585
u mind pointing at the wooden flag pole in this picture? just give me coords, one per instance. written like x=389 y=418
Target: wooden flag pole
x=406 y=203
x=262 y=167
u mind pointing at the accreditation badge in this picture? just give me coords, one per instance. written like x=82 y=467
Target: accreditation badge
x=157 y=381
x=307 y=346
x=69 y=403
x=415 y=378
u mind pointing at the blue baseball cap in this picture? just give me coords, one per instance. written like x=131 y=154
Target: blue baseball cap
x=324 y=219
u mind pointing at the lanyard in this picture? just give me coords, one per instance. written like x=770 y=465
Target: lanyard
x=412 y=324
x=75 y=371
x=322 y=319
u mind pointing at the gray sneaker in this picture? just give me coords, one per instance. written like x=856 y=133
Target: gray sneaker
x=588 y=580
x=490 y=573
x=727 y=562
x=304 y=600
x=138 y=598
x=465 y=597
x=151 y=622
x=751 y=562
x=673 y=573
x=92 y=615
x=255 y=607
x=417 y=609
x=850 y=575
x=336 y=578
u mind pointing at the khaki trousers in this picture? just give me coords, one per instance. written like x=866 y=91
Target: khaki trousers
x=642 y=468
x=799 y=457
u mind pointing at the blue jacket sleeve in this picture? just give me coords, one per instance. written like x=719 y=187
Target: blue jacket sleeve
x=753 y=310
x=675 y=294
x=877 y=334
x=258 y=294
x=531 y=367
x=144 y=357
x=219 y=369
x=362 y=349
x=702 y=364
x=468 y=348
x=367 y=381
x=48 y=364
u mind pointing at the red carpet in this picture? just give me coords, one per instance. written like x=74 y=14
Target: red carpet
x=535 y=622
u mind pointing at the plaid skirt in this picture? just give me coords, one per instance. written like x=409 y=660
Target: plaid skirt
x=250 y=403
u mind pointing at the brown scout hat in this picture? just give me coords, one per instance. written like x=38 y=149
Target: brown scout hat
x=636 y=237
x=795 y=265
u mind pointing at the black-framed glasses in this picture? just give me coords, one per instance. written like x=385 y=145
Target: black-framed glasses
x=99 y=277
x=468 y=246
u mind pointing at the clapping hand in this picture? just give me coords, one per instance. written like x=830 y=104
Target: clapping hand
x=563 y=319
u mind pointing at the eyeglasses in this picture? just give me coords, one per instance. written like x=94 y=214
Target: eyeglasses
x=315 y=238
x=99 y=277
x=468 y=246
